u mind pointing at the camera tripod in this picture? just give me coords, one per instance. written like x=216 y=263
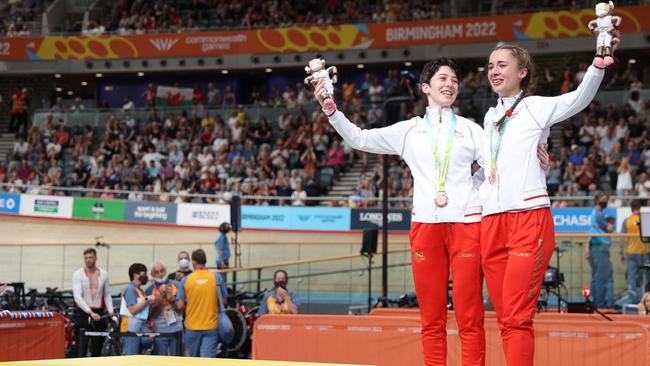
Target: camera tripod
x=554 y=286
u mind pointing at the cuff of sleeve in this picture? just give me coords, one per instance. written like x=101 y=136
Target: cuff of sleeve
x=332 y=116
x=595 y=70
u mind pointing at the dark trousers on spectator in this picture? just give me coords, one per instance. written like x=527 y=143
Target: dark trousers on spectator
x=17 y=121
x=82 y=323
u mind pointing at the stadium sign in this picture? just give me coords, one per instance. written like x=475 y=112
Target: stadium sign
x=46 y=206
x=9 y=203
x=372 y=218
x=98 y=209
x=295 y=218
x=512 y=27
x=150 y=212
x=202 y=214
x=576 y=220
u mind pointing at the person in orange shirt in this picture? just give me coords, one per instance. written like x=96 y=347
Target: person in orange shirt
x=636 y=253
x=19 y=102
x=201 y=296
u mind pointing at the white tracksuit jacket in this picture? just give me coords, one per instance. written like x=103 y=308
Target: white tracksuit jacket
x=410 y=140
x=521 y=182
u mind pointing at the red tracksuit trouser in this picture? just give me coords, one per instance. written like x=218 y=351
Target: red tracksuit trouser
x=515 y=250
x=434 y=249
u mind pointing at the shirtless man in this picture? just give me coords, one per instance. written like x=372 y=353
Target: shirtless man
x=92 y=295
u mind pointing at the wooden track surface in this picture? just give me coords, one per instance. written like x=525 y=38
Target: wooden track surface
x=19 y=230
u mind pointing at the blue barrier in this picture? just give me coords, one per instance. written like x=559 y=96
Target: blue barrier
x=295 y=218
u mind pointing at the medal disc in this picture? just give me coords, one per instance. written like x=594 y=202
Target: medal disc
x=441 y=199
x=493 y=177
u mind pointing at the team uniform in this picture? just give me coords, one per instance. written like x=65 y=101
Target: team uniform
x=517 y=233
x=203 y=293
x=440 y=236
x=637 y=254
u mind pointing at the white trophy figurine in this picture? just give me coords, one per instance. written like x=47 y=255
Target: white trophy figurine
x=602 y=27
x=317 y=71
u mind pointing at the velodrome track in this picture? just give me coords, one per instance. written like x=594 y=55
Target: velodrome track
x=45 y=252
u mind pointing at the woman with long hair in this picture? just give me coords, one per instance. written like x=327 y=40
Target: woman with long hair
x=517 y=233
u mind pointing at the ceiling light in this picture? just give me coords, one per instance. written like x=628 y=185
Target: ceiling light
x=480 y=69
x=632 y=61
x=70 y=92
x=408 y=64
x=141 y=73
x=84 y=83
x=268 y=69
x=58 y=76
x=99 y=75
x=224 y=72
x=59 y=89
x=360 y=66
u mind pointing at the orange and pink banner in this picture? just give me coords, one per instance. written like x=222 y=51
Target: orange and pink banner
x=541 y=25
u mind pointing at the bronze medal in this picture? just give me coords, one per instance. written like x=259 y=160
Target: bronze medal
x=493 y=177
x=441 y=199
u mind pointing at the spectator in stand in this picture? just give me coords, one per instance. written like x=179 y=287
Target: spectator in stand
x=198 y=97
x=149 y=96
x=77 y=106
x=298 y=196
x=214 y=95
x=624 y=179
x=336 y=157
x=19 y=107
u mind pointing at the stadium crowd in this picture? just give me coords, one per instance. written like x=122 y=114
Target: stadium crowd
x=15 y=16
x=140 y=17
x=171 y=155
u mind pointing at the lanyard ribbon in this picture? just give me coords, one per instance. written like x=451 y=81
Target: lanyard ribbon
x=500 y=126
x=441 y=168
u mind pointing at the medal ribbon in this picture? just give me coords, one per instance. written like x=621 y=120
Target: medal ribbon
x=442 y=168
x=501 y=129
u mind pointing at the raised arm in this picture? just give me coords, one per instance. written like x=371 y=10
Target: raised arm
x=558 y=109
x=387 y=140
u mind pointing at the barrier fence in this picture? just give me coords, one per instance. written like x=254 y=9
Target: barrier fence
x=329 y=276
x=319 y=218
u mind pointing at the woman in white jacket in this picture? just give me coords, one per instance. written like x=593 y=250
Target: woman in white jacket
x=517 y=232
x=445 y=225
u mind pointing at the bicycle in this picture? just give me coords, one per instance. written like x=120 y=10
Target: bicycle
x=243 y=316
x=408 y=300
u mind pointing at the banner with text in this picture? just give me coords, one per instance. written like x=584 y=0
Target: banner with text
x=98 y=209
x=46 y=206
x=9 y=203
x=576 y=220
x=372 y=218
x=540 y=25
x=295 y=218
x=202 y=214
x=150 y=212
